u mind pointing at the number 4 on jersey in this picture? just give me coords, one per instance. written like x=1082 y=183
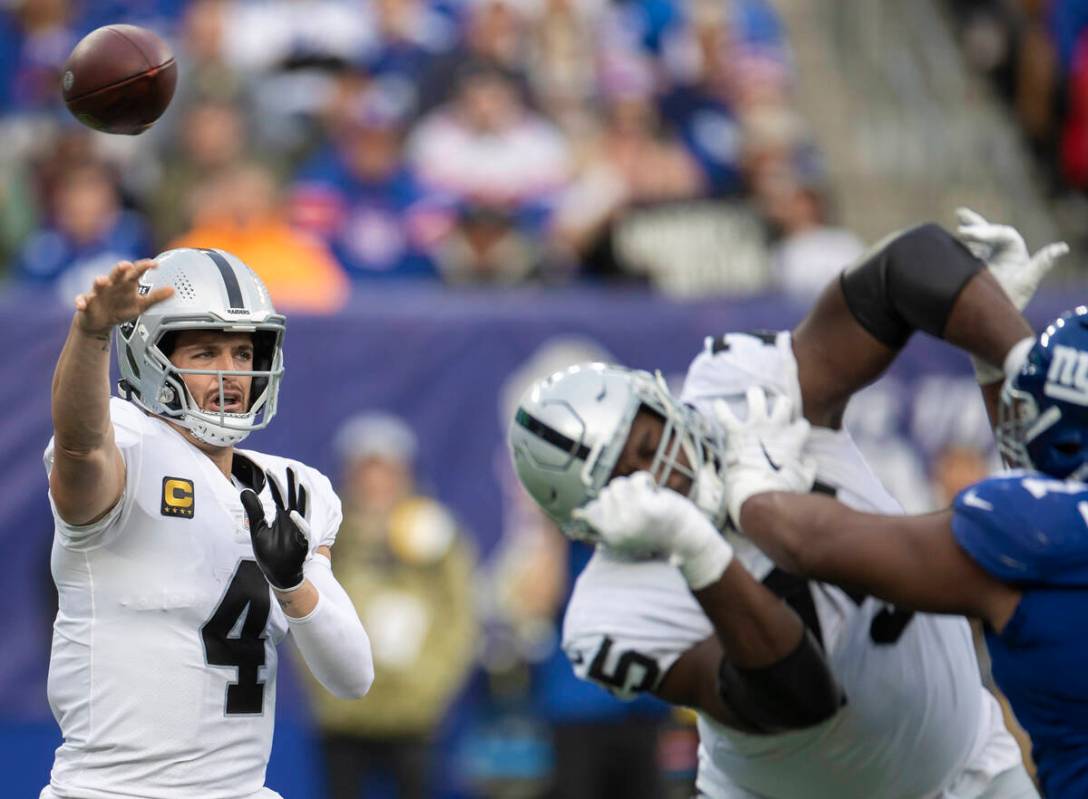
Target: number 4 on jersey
x=234 y=636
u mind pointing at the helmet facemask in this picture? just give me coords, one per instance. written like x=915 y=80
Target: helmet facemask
x=174 y=401
x=684 y=431
x=1027 y=439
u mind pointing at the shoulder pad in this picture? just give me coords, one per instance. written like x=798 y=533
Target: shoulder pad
x=1025 y=527
x=730 y=364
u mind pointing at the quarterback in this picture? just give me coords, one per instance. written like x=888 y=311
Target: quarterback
x=614 y=458
x=180 y=560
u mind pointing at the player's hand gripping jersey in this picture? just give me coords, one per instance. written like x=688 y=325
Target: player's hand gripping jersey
x=164 y=646
x=917 y=720
x=1031 y=530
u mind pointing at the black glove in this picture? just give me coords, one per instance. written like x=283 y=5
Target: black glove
x=282 y=547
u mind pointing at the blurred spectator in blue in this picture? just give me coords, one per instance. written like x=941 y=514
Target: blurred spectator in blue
x=363 y=200
x=487 y=148
x=410 y=35
x=701 y=102
x=36 y=37
x=211 y=137
x=725 y=61
x=88 y=231
x=408 y=568
x=492 y=32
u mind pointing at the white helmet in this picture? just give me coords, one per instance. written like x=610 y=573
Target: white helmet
x=570 y=429
x=213 y=290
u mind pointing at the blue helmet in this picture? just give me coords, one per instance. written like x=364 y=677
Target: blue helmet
x=1043 y=415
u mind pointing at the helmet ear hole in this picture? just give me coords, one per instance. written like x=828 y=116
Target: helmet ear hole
x=168 y=342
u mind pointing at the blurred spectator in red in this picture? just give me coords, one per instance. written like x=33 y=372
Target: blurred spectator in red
x=87 y=233
x=212 y=136
x=633 y=161
x=487 y=148
x=239 y=210
x=360 y=197
x=408 y=568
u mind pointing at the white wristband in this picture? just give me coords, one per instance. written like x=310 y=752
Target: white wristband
x=707 y=564
x=986 y=372
x=1018 y=353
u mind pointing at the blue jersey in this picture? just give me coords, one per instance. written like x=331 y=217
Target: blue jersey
x=1031 y=531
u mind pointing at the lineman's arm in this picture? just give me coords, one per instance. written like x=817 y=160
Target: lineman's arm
x=912 y=561
x=88 y=472
x=763 y=672
x=771 y=675
x=330 y=635
x=921 y=279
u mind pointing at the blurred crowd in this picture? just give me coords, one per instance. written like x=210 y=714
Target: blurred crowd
x=329 y=142
x=1036 y=53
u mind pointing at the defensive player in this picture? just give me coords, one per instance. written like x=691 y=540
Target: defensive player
x=171 y=543
x=1012 y=550
x=916 y=720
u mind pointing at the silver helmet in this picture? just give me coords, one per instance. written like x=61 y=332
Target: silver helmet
x=570 y=428
x=213 y=290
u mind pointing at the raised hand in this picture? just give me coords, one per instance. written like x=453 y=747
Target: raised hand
x=636 y=517
x=1006 y=255
x=280 y=548
x=764 y=451
x=117 y=298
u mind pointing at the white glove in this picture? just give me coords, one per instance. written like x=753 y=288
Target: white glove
x=1006 y=256
x=635 y=516
x=763 y=452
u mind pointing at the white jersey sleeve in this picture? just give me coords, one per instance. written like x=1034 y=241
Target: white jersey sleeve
x=129 y=426
x=628 y=622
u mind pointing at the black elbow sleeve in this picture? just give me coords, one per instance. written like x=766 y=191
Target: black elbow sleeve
x=908 y=282
x=796 y=692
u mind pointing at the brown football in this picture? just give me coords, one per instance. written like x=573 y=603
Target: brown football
x=119 y=79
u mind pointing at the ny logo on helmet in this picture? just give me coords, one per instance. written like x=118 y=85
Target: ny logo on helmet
x=1067 y=378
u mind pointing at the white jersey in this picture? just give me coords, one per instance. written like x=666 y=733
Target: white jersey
x=163 y=667
x=917 y=721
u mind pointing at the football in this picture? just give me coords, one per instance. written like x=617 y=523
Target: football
x=119 y=79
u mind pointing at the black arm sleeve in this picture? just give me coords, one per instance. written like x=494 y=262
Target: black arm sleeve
x=908 y=282
x=796 y=692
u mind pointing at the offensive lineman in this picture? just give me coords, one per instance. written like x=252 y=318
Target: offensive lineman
x=916 y=720
x=1010 y=551
x=171 y=544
